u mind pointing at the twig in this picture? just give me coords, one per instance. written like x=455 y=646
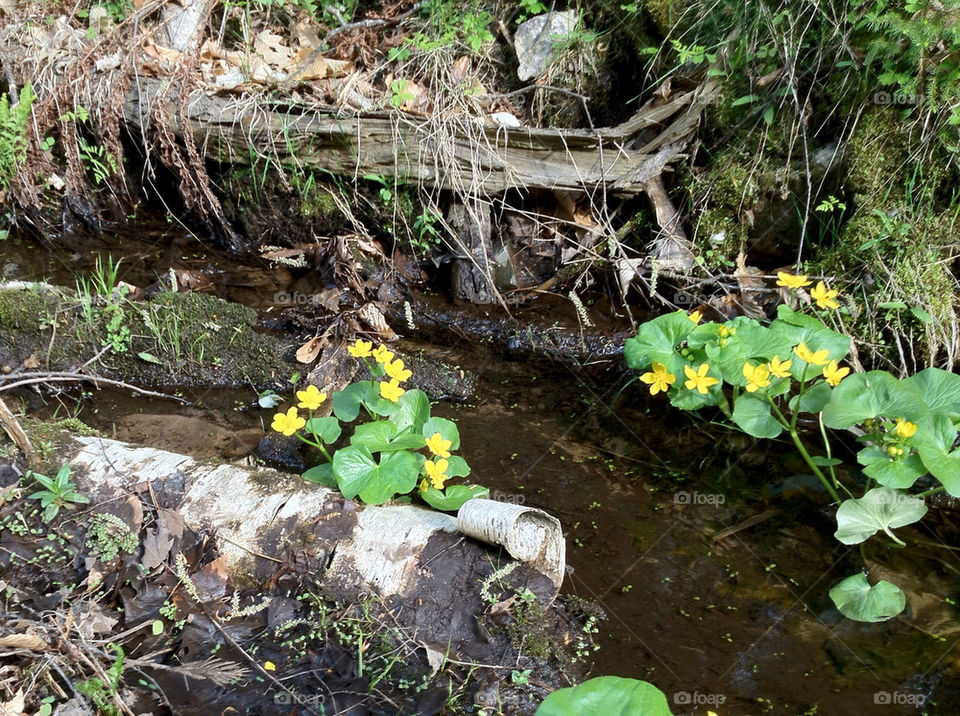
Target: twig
x=12 y=426
x=65 y=377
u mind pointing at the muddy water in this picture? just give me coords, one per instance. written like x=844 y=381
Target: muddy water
x=736 y=625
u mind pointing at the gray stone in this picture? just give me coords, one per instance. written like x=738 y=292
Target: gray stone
x=536 y=41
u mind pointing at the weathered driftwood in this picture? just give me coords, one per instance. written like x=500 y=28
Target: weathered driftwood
x=418 y=558
x=433 y=151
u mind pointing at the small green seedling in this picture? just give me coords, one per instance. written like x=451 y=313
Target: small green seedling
x=59 y=492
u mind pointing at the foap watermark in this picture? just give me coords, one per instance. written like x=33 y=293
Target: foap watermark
x=899 y=698
x=285 y=698
x=282 y=298
x=512 y=498
x=902 y=99
x=698 y=498
x=697 y=698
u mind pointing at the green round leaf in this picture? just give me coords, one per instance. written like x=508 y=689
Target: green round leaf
x=880 y=509
x=606 y=696
x=869 y=395
x=899 y=474
x=346 y=402
x=447 y=428
x=375 y=482
x=857 y=600
x=940 y=390
x=157 y=627
x=813 y=399
x=656 y=339
x=452 y=499
x=753 y=416
x=327 y=429
x=321 y=474
x=457 y=467
x=414 y=410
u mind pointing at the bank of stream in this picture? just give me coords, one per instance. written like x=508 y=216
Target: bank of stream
x=710 y=553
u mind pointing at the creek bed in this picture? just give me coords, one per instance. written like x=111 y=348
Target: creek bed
x=740 y=624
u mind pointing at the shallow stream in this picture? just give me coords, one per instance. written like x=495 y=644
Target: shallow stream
x=709 y=552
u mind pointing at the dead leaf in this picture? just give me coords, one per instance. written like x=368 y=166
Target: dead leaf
x=31 y=361
x=319 y=68
x=273 y=50
x=156 y=547
x=211 y=580
x=308 y=352
x=28 y=641
x=92 y=619
x=373 y=317
x=171 y=520
x=15 y=706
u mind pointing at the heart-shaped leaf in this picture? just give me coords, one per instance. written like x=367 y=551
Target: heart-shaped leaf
x=857 y=600
x=606 y=696
x=656 y=339
x=880 y=509
x=939 y=388
x=899 y=474
x=870 y=395
x=347 y=402
x=375 y=482
x=451 y=499
x=414 y=410
x=327 y=430
x=321 y=474
x=447 y=428
x=753 y=416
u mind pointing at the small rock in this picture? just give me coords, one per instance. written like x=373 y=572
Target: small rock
x=536 y=41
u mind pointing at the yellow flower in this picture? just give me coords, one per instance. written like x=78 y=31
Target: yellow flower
x=699 y=379
x=805 y=354
x=391 y=391
x=659 y=379
x=835 y=374
x=396 y=370
x=904 y=428
x=791 y=281
x=823 y=297
x=288 y=423
x=383 y=355
x=310 y=398
x=696 y=316
x=269 y=666
x=439 y=446
x=757 y=377
x=435 y=471
x=360 y=349
x=424 y=485
x=780 y=368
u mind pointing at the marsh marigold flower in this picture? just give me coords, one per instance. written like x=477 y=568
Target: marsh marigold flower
x=904 y=428
x=757 y=377
x=699 y=380
x=834 y=374
x=383 y=354
x=391 y=391
x=436 y=472
x=396 y=370
x=438 y=446
x=813 y=358
x=360 y=348
x=695 y=316
x=288 y=423
x=779 y=368
x=823 y=297
x=311 y=398
x=658 y=379
x=791 y=281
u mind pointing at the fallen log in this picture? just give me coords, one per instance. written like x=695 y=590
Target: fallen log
x=434 y=151
x=423 y=561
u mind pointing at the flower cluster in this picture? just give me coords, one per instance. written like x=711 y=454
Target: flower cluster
x=389 y=389
x=824 y=297
x=290 y=422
